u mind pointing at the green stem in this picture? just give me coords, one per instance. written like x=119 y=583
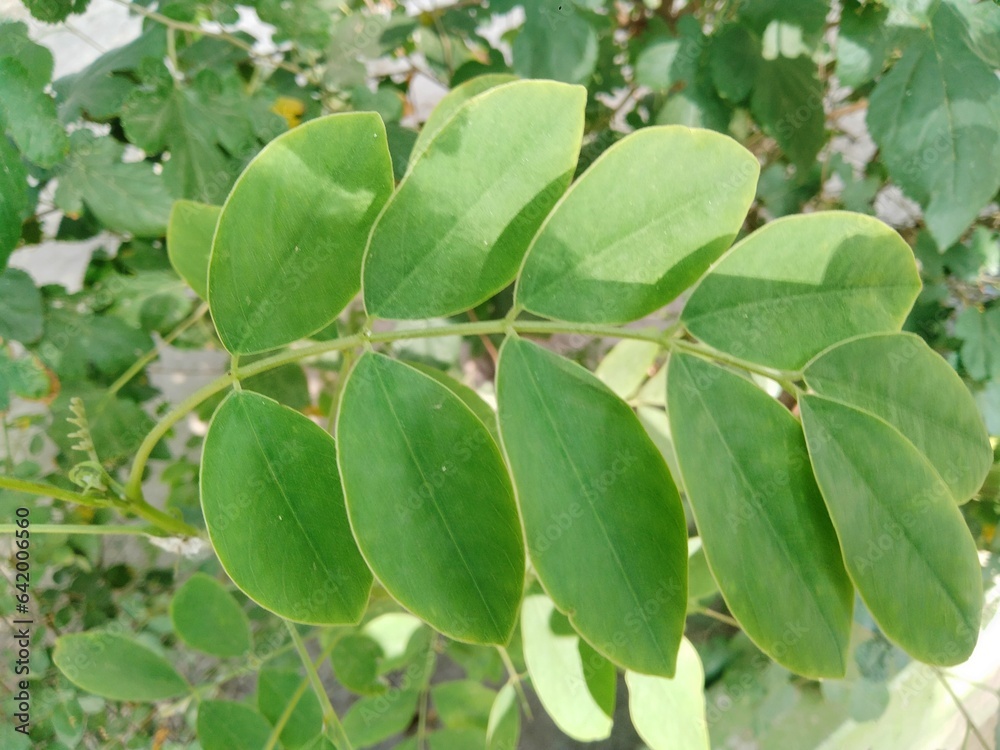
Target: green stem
x=707 y=352
x=48 y=490
x=81 y=529
x=337 y=735
x=157 y=517
x=970 y=723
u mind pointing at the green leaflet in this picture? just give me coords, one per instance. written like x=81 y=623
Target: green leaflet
x=451 y=103
x=275 y=688
x=430 y=501
x=28 y=113
x=905 y=543
x=670 y=714
x=206 y=617
x=20 y=307
x=273 y=507
x=936 y=119
x=14 y=199
x=504 y=726
x=802 y=283
x=766 y=533
x=639 y=227
x=604 y=524
x=557 y=41
x=116 y=667
x=558 y=676
x=478 y=193
x=468 y=397
x=863 y=42
x=734 y=57
x=286 y=257
x=898 y=378
x=189 y=242
x=787 y=101
x=980 y=331
x=225 y=725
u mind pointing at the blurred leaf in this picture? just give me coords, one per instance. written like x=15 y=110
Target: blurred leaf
x=225 y=725
x=206 y=617
x=980 y=333
x=20 y=307
x=275 y=689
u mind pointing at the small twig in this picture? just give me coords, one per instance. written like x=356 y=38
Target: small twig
x=515 y=679
x=717 y=616
x=962 y=710
x=337 y=735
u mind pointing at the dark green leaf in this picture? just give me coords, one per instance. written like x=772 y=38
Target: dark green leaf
x=20 y=307
x=206 y=617
x=418 y=465
x=273 y=507
x=29 y=114
x=604 y=524
x=787 y=101
x=980 y=331
x=765 y=530
x=557 y=42
x=14 y=199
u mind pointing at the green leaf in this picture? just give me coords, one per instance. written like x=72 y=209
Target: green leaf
x=504 y=726
x=275 y=689
x=451 y=103
x=734 y=57
x=418 y=465
x=980 y=331
x=125 y=197
x=468 y=397
x=14 y=199
x=905 y=543
x=463 y=704
x=327 y=180
x=670 y=714
x=626 y=366
x=24 y=376
x=189 y=242
x=355 y=660
x=274 y=511
x=604 y=524
x=206 y=617
x=557 y=674
x=765 y=530
x=29 y=114
x=787 y=101
x=55 y=11
x=203 y=126
x=701 y=582
x=668 y=60
x=901 y=380
x=639 y=227
x=863 y=42
x=225 y=725
x=20 y=307
x=802 y=283
x=116 y=667
x=479 y=192
x=557 y=42
x=936 y=119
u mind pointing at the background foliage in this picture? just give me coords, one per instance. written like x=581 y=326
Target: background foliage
x=888 y=108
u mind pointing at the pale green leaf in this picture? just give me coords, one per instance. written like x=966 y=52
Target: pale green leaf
x=604 y=524
x=273 y=506
x=478 y=192
x=766 y=533
x=116 y=667
x=425 y=481
x=639 y=227
x=901 y=380
x=980 y=331
x=557 y=674
x=626 y=366
x=294 y=228
x=189 y=242
x=801 y=284
x=905 y=543
x=206 y=617
x=670 y=714
x=504 y=726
